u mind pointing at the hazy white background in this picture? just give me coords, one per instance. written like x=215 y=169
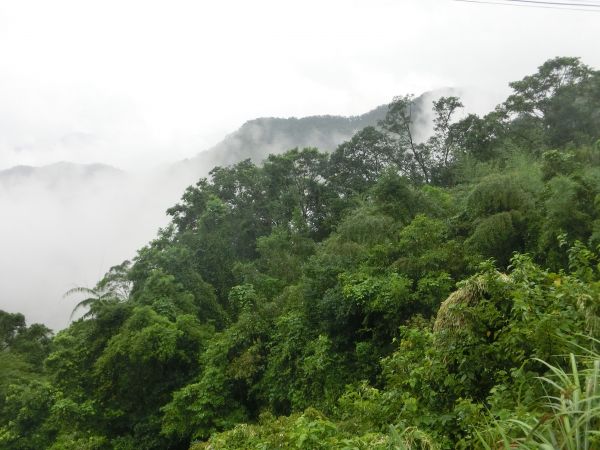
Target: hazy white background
x=136 y=84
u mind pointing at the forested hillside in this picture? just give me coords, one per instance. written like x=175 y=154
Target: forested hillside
x=258 y=138
x=391 y=294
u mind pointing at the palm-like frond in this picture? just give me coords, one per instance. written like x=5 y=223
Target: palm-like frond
x=572 y=413
x=92 y=296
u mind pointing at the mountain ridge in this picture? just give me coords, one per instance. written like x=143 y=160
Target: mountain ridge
x=254 y=139
x=52 y=174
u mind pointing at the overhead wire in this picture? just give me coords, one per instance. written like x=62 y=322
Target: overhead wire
x=545 y=5
x=542 y=2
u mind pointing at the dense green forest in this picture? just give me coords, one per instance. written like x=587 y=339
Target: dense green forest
x=392 y=294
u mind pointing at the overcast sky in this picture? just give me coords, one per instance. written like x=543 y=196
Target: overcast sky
x=136 y=83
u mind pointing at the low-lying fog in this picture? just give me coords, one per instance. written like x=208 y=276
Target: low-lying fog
x=58 y=233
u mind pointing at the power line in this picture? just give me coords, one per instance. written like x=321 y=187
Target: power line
x=586 y=2
x=570 y=7
x=563 y=8
x=540 y=2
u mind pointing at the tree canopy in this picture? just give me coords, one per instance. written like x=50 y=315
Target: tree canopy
x=391 y=294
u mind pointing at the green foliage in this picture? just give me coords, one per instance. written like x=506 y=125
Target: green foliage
x=312 y=430
x=534 y=92
x=393 y=294
x=357 y=164
x=557 y=163
x=24 y=414
x=30 y=343
x=572 y=412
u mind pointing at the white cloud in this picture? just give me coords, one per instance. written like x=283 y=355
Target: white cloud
x=148 y=79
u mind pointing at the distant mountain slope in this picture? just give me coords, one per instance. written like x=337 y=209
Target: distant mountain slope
x=258 y=138
x=56 y=174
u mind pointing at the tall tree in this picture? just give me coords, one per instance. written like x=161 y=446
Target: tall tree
x=533 y=94
x=443 y=142
x=398 y=123
x=357 y=164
